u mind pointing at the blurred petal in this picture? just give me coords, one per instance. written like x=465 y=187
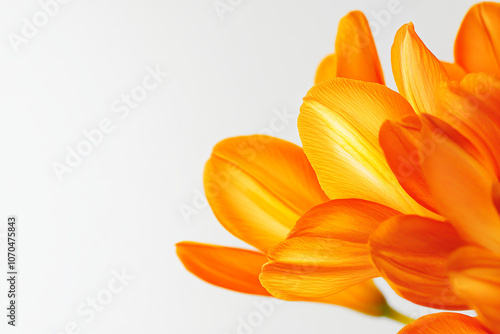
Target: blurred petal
x=416 y=70
x=258 y=186
x=410 y=252
x=338 y=125
x=462 y=189
x=455 y=71
x=475 y=274
x=477 y=46
x=495 y=193
x=356 y=52
x=327 y=69
x=472 y=108
x=445 y=323
x=230 y=268
x=326 y=252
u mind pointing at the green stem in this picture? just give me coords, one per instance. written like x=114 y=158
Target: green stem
x=395 y=315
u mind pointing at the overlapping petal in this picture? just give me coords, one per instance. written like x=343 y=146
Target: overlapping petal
x=411 y=253
x=417 y=72
x=445 y=323
x=258 y=186
x=338 y=125
x=475 y=274
x=327 y=251
x=230 y=268
x=477 y=46
x=472 y=107
x=462 y=189
x=327 y=69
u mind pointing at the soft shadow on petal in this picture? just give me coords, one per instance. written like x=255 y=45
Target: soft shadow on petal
x=411 y=253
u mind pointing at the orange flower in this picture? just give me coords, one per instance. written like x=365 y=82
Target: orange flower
x=258 y=187
x=436 y=160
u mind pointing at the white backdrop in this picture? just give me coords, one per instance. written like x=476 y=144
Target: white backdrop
x=118 y=209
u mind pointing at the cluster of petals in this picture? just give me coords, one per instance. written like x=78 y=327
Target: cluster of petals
x=401 y=185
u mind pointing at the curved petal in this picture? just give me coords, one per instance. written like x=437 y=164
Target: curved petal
x=258 y=186
x=326 y=252
x=477 y=46
x=338 y=125
x=495 y=193
x=455 y=71
x=475 y=274
x=472 y=107
x=462 y=189
x=230 y=268
x=327 y=69
x=445 y=323
x=356 y=52
x=416 y=70
x=410 y=252
x=405 y=150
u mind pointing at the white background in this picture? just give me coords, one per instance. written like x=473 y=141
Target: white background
x=119 y=209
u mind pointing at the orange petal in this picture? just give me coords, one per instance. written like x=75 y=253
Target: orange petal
x=327 y=69
x=416 y=70
x=338 y=125
x=477 y=46
x=230 y=268
x=405 y=150
x=356 y=52
x=445 y=323
x=461 y=187
x=326 y=252
x=472 y=108
x=258 y=186
x=410 y=252
x=399 y=140
x=475 y=274
x=495 y=193
x=455 y=71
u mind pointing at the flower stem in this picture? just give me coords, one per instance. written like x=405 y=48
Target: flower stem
x=395 y=315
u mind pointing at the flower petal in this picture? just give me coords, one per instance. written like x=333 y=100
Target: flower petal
x=477 y=46
x=327 y=69
x=258 y=186
x=405 y=150
x=416 y=70
x=475 y=274
x=326 y=252
x=445 y=323
x=462 y=189
x=455 y=71
x=230 y=268
x=472 y=107
x=356 y=52
x=338 y=125
x=410 y=252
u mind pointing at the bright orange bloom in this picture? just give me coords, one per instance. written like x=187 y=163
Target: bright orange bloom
x=259 y=186
x=441 y=142
x=399 y=185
